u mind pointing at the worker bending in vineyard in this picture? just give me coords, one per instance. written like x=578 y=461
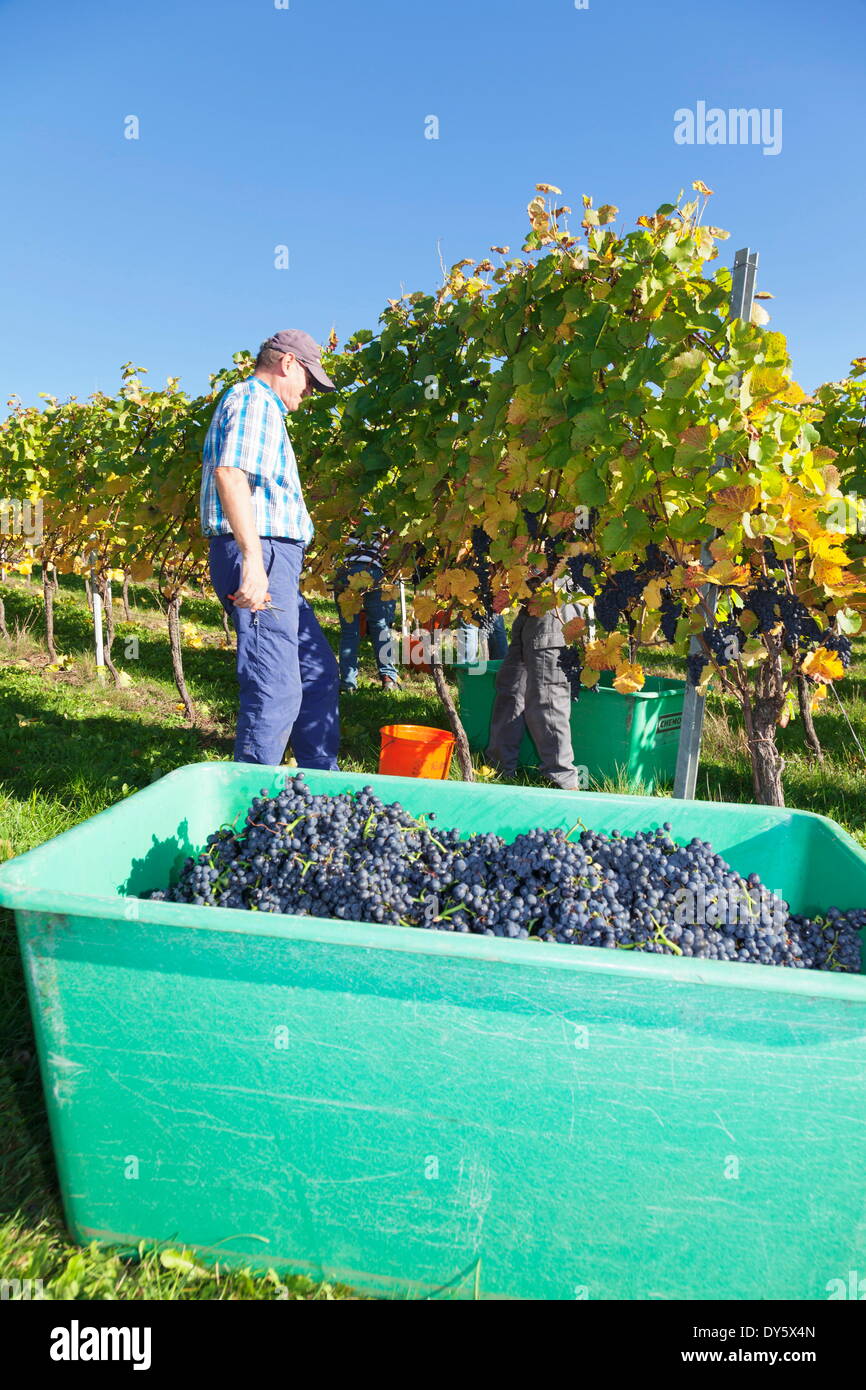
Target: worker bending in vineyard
x=253 y=510
x=533 y=692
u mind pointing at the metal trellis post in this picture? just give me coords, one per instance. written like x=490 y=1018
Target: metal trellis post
x=691 y=731
x=97 y=619
x=404 y=626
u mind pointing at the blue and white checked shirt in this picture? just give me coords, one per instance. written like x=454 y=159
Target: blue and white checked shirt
x=248 y=432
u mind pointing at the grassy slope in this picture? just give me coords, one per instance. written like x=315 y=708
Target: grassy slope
x=70 y=747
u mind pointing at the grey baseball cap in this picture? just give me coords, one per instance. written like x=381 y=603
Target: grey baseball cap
x=307 y=351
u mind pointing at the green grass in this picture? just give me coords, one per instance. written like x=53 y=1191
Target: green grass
x=70 y=746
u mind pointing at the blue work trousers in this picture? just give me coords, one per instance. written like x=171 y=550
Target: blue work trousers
x=380 y=620
x=287 y=673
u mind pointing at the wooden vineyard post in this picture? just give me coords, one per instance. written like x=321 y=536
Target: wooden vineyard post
x=691 y=731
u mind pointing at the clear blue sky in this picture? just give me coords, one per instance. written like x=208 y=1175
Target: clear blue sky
x=261 y=126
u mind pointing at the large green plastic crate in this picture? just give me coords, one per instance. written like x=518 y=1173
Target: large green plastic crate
x=439 y=1114
x=613 y=736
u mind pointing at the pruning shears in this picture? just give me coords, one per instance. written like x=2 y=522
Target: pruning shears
x=272 y=606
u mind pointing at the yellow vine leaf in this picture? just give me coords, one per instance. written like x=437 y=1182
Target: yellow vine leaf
x=498 y=511
x=604 y=654
x=351 y=604
x=832 y=577
x=649 y=629
x=823 y=665
x=425 y=607
x=706 y=680
x=827 y=548
x=515 y=578
x=793 y=394
x=361 y=580
x=629 y=678
x=652 y=594
x=459 y=584
x=754 y=652
x=723 y=572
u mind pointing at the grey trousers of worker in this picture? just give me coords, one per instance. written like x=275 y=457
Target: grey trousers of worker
x=532 y=692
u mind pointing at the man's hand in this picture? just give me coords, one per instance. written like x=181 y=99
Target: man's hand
x=253 y=592
x=234 y=490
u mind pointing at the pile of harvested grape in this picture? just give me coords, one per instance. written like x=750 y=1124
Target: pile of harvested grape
x=352 y=857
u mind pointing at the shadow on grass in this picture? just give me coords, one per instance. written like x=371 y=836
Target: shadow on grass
x=56 y=755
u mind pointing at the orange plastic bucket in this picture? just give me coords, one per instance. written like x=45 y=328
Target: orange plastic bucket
x=413 y=750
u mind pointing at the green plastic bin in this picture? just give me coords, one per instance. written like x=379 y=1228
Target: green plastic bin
x=614 y=736
x=445 y=1115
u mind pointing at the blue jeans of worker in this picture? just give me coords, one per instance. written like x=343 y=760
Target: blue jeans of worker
x=497 y=641
x=286 y=671
x=380 y=620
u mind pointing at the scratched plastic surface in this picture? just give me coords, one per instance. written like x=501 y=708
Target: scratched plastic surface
x=432 y=1115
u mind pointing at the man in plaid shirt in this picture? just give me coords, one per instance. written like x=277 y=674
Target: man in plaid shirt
x=252 y=508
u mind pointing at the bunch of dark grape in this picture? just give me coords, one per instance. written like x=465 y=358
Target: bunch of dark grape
x=671 y=612
x=656 y=562
x=772 y=605
x=552 y=549
x=481 y=566
x=577 y=569
x=569 y=660
x=616 y=596
x=423 y=567
x=354 y=858
x=840 y=644
x=552 y=545
x=480 y=544
x=798 y=622
x=725 y=640
x=695 y=664
x=763 y=602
